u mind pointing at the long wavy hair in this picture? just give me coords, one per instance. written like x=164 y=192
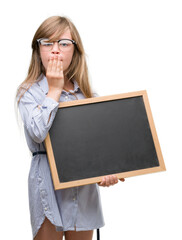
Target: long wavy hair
x=77 y=69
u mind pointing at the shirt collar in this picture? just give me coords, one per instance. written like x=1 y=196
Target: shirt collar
x=43 y=84
x=76 y=87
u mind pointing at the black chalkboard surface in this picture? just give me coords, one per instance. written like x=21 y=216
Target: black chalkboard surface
x=94 y=137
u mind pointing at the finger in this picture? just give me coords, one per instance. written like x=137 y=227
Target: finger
x=61 y=70
x=59 y=65
x=61 y=62
x=49 y=67
x=103 y=182
x=100 y=184
x=107 y=181
x=122 y=179
x=111 y=180
x=115 y=179
x=54 y=63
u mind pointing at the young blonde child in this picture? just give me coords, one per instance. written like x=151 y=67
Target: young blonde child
x=57 y=72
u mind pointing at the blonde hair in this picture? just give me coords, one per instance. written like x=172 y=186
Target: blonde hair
x=78 y=70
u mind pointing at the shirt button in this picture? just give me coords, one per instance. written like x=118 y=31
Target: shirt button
x=66 y=97
x=73 y=199
x=40 y=179
x=45 y=209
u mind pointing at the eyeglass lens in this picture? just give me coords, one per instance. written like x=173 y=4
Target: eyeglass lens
x=64 y=45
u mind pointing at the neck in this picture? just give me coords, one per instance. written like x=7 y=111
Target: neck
x=68 y=84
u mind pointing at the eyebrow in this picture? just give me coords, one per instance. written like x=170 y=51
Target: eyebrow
x=58 y=39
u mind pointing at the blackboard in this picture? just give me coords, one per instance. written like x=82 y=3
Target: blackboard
x=94 y=137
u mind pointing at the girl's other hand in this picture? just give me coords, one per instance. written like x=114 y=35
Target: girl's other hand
x=109 y=180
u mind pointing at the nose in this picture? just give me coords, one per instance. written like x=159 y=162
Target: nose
x=55 y=48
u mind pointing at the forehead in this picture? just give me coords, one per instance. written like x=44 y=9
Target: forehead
x=65 y=34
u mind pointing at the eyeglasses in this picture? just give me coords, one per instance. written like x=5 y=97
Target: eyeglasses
x=64 y=44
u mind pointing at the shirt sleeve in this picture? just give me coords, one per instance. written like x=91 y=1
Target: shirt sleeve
x=36 y=117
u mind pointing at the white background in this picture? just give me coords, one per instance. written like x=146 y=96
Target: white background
x=130 y=45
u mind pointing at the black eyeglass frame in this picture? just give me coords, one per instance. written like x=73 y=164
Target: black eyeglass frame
x=73 y=42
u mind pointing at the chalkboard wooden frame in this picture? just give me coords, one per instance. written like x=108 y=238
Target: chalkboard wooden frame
x=91 y=180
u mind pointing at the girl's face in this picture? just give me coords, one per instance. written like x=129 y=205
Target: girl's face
x=66 y=57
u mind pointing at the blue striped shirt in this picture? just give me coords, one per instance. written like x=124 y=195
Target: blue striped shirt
x=68 y=209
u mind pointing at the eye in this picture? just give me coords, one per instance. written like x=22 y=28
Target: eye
x=65 y=43
x=45 y=42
